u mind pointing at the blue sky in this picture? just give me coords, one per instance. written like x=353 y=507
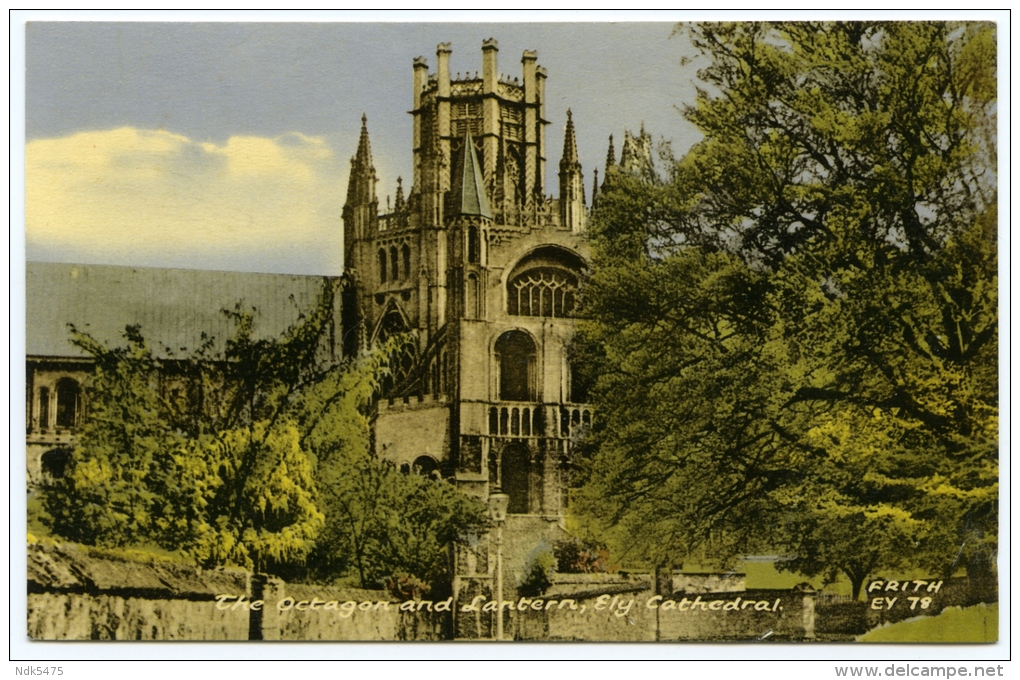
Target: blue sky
x=165 y=104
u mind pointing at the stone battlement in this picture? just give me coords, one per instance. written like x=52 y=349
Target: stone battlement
x=397 y=405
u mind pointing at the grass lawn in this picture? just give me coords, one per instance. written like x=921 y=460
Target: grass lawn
x=979 y=623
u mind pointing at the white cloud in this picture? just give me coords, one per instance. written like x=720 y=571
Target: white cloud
x=150 y=197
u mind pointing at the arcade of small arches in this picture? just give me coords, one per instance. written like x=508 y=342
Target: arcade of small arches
x=423 y=466
x=394 y=263
x=534 y=421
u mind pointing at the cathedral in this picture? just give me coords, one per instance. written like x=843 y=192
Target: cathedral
x=476 y=264
x=483 y=267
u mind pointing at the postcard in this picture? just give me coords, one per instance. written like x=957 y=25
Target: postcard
x=615 y=332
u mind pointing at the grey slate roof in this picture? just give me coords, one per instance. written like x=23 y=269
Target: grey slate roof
x=172 y=306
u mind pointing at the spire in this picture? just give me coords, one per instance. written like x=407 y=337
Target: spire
x=569 y=142
x=399 y=201
x=361 y=209
x=361 y=186
x=610 y=156
x=471 y=191
x=595 y=188
x=364 y=155
x=572 y=204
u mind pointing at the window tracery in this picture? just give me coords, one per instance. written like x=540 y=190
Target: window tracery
x=542 y=292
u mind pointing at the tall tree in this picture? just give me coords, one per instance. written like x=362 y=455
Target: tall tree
x=796 y=330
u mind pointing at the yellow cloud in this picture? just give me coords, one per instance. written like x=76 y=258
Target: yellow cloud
x=100 y=149
x=130 y=196
x=263 y=156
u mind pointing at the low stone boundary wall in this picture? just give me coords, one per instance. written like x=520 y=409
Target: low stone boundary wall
x=75 y=593
x=629 y=610
x=78 y=593
x=744 y=615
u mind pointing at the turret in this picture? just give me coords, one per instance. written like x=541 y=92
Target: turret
x=532 y=182
x=421 y=75
x=443 y=111
x=490 y=110
x=540 y=76
x=636 y=155
x=572 y=204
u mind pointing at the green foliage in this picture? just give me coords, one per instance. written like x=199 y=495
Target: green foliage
x=254 y=458
x=538 y=571
x=389 y=527
x=221 y=477
x=381 y=525
x=796 y=331
x=39 y=521
x=574 y=556
x=108 y=493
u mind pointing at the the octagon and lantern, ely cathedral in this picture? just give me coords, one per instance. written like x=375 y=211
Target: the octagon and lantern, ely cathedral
x=484 y=266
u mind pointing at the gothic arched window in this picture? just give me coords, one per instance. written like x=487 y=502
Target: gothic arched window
x=542 y=292
x=68 y=403
x=392 y=324
x=473 y=249
x=471 y=297
x=382 y=265
x=405 y=358
x=405 y=251
x=544 y=284
x=44 y=408
x=395 y=273
x=515 y=356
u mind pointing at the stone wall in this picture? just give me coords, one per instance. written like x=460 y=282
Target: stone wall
x=745 y=615
x=77 y=593
x=375 y=617
x=709 y=582
x=405 y=431
x=626 y=608
x=610 y=607
x=84 y=616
